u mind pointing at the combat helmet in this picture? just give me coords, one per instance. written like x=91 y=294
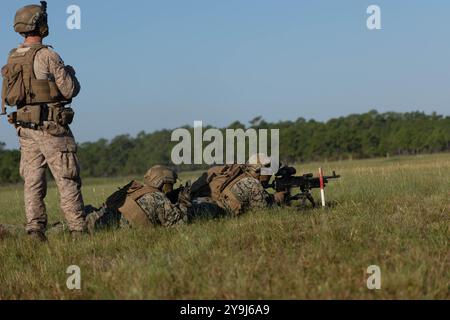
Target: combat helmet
x=161 y=178
x=32 y=19
x=258 y=161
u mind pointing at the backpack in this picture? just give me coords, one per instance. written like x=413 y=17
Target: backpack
x=221 y=180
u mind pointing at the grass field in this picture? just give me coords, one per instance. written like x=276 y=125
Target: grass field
x=394 y=213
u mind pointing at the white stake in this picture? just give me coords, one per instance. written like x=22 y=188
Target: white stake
x=322 y=188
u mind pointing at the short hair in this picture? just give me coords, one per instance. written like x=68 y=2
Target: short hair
x=34 y=33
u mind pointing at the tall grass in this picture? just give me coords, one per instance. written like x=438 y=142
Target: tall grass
x=393 y=213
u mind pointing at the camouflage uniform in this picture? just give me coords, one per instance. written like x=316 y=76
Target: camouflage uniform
x=160 y=211
x=233 y=188
x=165 y=214
x=250 y=193
x=51 y=146
x=142 y=205
x=37 y=82
x=153 y=203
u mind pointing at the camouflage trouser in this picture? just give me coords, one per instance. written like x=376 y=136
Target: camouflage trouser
x=105 y=219
x=40 y=150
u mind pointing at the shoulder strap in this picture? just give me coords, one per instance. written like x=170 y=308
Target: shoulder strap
x=30 y=56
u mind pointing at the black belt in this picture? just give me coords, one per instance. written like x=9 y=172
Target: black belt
x=28 y=125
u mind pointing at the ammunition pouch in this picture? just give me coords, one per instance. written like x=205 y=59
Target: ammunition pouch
x=43 y=91
x=33 y=116
x=29 y=114
x=62 y=116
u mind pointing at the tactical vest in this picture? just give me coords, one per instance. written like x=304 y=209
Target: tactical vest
x=131 y=210
x=221 y=180
x=21 y=88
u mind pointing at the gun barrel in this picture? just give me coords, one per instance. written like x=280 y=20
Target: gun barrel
x=332 y=177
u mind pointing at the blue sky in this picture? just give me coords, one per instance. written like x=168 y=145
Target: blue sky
x=148 y=65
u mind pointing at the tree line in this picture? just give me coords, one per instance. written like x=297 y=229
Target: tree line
x=356 y=136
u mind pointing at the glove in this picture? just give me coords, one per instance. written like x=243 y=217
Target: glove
x=70 y=70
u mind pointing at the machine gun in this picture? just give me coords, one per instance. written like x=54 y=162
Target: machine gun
x=286 y=180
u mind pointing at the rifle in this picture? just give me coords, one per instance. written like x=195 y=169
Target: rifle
x=181 y=195
x=286 y=180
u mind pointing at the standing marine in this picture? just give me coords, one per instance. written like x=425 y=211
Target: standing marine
x=40 y=85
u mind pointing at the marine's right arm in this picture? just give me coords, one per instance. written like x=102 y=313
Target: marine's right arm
x=161 y=210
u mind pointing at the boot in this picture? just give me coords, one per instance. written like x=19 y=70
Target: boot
x=37 y=236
